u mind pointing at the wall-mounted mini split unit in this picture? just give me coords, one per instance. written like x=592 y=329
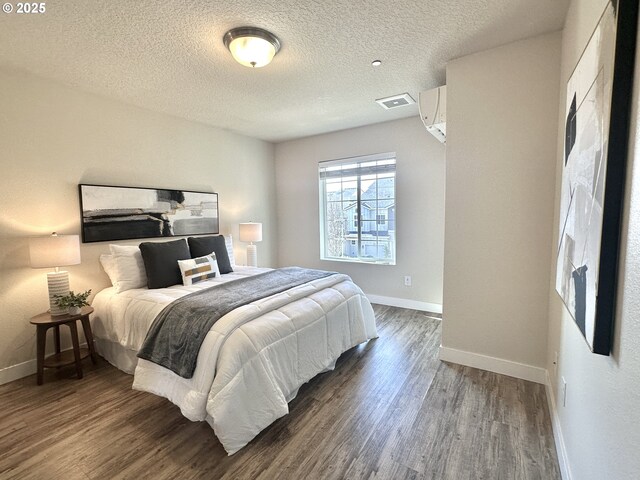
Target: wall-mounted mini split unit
x=396 y=101
x=433 y=111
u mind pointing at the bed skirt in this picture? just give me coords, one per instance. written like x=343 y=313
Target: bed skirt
x=117 y=355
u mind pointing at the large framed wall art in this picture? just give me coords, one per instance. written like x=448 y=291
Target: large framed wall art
x=598 y=109
x=120 y=213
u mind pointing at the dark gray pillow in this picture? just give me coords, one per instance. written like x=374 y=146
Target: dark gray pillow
x=201 y=246
x=161 y=262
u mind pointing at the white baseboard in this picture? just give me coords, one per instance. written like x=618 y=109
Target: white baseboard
x=561 y=449
x=24 y=369
x=492 y=364
x=404 y=303
x=14 y=372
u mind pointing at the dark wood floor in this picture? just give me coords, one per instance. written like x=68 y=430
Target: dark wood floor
x=390 y=410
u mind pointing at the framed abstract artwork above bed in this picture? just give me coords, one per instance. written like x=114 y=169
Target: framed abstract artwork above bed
x=121 y=213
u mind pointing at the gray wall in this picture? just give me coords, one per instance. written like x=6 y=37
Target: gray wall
x=420 y=198
x=54 y=137
x=501 y=125
x=600 y=423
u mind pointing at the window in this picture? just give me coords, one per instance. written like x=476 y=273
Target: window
x=358 y=209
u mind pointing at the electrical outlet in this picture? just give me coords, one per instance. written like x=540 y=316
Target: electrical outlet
x=564 y=392
x=407 y=280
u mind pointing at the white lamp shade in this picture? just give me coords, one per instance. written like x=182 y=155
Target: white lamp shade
x=54 y=251
x=251 y=232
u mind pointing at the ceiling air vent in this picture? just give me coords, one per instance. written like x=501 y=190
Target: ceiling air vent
x=396 y=101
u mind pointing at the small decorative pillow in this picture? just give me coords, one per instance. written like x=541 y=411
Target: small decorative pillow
x=198 y=269
x=129 y=271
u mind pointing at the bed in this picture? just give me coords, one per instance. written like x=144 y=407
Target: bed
x=252 y=360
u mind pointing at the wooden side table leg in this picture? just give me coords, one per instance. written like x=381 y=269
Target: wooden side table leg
x=41 y=333
x=86 y=326
x=76 y=347
x=56 y=337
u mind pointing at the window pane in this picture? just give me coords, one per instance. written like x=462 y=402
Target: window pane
x=333 y=185
x=358 y=210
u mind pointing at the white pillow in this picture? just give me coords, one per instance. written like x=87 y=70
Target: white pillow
x=228 y=240
x=196 y=270
x=130 y=272
x=109 y=265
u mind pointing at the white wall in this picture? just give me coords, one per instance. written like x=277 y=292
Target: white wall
x=601 y=421
x=54 y=137
x=501 y=146
x=420 y=199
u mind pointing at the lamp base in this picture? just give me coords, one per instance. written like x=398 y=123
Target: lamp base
x=252 y=255
x=58 y=283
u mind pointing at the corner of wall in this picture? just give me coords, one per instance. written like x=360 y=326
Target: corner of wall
x=493 y=364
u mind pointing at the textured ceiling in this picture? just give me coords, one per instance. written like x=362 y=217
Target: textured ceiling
x=168 y=55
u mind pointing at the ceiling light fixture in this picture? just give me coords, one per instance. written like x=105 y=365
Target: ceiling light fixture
x=251 y=46
x=376 y=63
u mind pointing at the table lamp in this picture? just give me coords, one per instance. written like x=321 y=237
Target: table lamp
x=251 y=232
x=55 y=251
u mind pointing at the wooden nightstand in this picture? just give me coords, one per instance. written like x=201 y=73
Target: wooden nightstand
x=44 y=322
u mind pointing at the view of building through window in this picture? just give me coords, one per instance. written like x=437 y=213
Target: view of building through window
x=358 y=209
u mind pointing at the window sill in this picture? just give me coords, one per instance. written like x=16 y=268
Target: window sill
x=359 y=261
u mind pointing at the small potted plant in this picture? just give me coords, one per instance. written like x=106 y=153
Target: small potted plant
x=73 y=301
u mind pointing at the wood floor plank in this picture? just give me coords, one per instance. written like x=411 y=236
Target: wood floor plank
x=389 y=410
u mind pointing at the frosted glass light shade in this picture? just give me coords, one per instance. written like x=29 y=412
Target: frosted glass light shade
x=54 y=251
x=250 y=232
x=251 y=47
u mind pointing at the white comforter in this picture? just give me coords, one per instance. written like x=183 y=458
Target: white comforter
x=254 y=359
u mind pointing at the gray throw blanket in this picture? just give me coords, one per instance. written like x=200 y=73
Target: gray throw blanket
x=175 y=336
